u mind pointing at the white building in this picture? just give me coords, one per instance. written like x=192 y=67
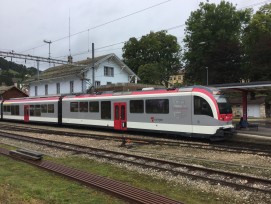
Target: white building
x=78 y=78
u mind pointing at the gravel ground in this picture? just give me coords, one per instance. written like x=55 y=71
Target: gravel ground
x=220 y=191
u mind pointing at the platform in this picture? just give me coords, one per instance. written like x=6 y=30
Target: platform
x=262 y=134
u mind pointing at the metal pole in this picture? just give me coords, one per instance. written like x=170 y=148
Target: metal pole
x=38 y=68
x=93 y=63
x=49 y=42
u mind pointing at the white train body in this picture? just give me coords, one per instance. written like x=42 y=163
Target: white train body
x=192 y=111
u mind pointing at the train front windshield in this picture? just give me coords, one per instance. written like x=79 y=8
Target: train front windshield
x=223 y=104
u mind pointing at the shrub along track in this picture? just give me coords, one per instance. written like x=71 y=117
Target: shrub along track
x=237 y=181
x=233 y=147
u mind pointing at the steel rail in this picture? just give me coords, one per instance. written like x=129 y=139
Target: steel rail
x=116 y=188
x=162 y=165
x=138 y=140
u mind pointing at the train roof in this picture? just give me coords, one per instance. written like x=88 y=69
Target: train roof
x=145 y=91
x=30 y=99
x=141 y=92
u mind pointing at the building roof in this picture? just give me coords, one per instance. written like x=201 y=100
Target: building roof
x=4 y=89
x=78 y=68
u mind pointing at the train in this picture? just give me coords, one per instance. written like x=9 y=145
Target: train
x=196 y=111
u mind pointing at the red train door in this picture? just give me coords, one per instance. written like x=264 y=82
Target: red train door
x=120 y=116
x=26 y=113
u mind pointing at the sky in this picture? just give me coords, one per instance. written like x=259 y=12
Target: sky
x=25 y=24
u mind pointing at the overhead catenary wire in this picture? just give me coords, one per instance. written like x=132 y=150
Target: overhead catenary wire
x=99 y=49
x=100 y=25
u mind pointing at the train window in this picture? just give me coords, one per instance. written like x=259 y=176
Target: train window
x=123 y=113
x=105 y=110
x=202 y=107
x=6 y=108
x=160 y=106
x=136 y=106
x=32 y=109
x=43 y=108
x=14 y=110
x=83 y=106
x=74 y=106
x=51 y=108
x=37 y=111
x=94 y=106
x=117 y=117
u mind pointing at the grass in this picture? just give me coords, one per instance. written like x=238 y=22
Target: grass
x=23 y=183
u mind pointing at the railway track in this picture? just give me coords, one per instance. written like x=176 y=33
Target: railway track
x=237 y=181
x=225 y=147
x=115 y=188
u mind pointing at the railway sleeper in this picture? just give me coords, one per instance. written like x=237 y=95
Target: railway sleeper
x=27 y=154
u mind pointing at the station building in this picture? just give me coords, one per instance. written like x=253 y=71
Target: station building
x=77 y=78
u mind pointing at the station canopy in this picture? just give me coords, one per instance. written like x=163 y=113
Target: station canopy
x=260 y=87
x=253 y=88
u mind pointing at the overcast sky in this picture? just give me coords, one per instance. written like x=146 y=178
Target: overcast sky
x=26 y=23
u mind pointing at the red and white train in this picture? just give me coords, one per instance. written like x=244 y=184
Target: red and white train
x=191 y=111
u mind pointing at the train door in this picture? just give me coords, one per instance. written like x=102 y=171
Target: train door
x=120 y=116
x=26 y=113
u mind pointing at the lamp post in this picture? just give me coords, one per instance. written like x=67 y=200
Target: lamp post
x=207 y=71
x=49 y=42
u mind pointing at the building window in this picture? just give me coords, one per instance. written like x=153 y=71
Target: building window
x=57 y=88
x=97 y=83
x=46 y=89
x=109 y=71
x=71 y=87
x=108 y=83
x=36 y=90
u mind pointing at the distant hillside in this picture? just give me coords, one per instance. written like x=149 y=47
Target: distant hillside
x=11 y=72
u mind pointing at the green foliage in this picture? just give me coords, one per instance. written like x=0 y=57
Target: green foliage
x=10 y=70
x=257 y=43
x=159 y=49
x=212 y=39
x=149 y=74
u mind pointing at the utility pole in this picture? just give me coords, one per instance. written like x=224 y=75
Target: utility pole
x=93 y=64
x=49 y=42
x=38 y=68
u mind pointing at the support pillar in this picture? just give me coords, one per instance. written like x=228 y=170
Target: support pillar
x=245 y=105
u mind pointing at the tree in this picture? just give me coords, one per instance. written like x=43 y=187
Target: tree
x=257 y=43
x=212 y=43
x=149 y=74
x=159 y=49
